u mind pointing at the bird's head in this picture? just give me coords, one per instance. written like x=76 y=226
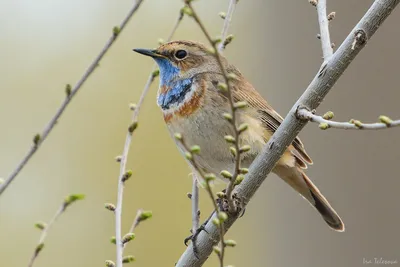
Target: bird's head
x=180 y=60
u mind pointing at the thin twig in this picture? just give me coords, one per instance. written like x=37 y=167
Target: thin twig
x=227 y=23
x=327 y=50
x=352 y=125
x=46 y=227
x=71 y=92
x=195 y=204
x=291 y=125
x=231 y=204
x=124 y=156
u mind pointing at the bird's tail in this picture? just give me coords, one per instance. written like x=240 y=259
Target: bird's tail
x=297 y=179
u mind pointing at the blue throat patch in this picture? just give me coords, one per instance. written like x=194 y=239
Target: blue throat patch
x=177 y=89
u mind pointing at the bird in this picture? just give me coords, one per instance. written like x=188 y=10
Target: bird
x=193 y=105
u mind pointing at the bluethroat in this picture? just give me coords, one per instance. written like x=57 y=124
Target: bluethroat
x=193 y=105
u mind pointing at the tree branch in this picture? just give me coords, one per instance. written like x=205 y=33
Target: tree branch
x=46 y=227
x=322 y=83
x=70 y=93
x=327 y=50
x=325 y=122
x=123 y=174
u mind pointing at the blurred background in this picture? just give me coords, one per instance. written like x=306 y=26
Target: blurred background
x=47 y=44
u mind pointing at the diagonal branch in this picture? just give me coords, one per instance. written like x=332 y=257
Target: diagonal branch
x=292 y=125
x=325 y=123
x=71 y=92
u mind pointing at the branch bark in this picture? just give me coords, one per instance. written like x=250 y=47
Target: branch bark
x=322 y=83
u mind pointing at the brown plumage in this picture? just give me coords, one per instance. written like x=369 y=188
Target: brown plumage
x=197 y=114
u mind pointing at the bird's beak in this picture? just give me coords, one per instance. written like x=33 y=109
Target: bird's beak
x=148 y=52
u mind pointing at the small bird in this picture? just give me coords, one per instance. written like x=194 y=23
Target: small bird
x=193 y=105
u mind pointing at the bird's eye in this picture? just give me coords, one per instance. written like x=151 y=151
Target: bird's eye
x=180 y=54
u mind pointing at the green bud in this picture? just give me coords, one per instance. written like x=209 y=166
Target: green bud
x=127 y=238
x=222 y=216
x=68 y=89
x=209 y=177
x=126 y=175
x=217 y=40
x=39 y=248
x=36 y=139
x=211 y=51
x=232 y=76
x=230 y=243
x=110 y=263
x=239 y=179
x=230 y=139
x=128 y=259
x=243 y=170
x=226 y=174
x=228 y=39
x=328 y=116
x=195 y=149
x=222 y=86
x=1 y=180
x=243 y=127
x=357 y=123
x=233 y=151
x=72 y=198
x=221 y=194
x=178 y=136
x=113 y=240
x=40 y=225
x=240 y=104
x=228 y=117
x=216 y=222
x=133 y=126
x=386 y=120
x=244 y=149
x=116 y=31
x=144 y=215
x=222 y=15
x=109 y=206
x=155 y=73
x=188 y=156
x=323 y=126
x=217 y=250
x=132 y=106
x=160 y=41
x=187 y=10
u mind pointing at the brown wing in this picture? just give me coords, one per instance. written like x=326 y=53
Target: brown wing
x=270 y=118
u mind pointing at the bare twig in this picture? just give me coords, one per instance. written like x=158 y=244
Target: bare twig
x=123 y=158
x=70 y=93
x=327 y=50
x=225 y=39
x=325 y=122
x=46 y=227
x=230 y=117
x=292 y=125
x=141 y=215
x=195 y=203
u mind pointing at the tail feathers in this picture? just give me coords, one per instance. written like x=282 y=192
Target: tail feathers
x=324 y=208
